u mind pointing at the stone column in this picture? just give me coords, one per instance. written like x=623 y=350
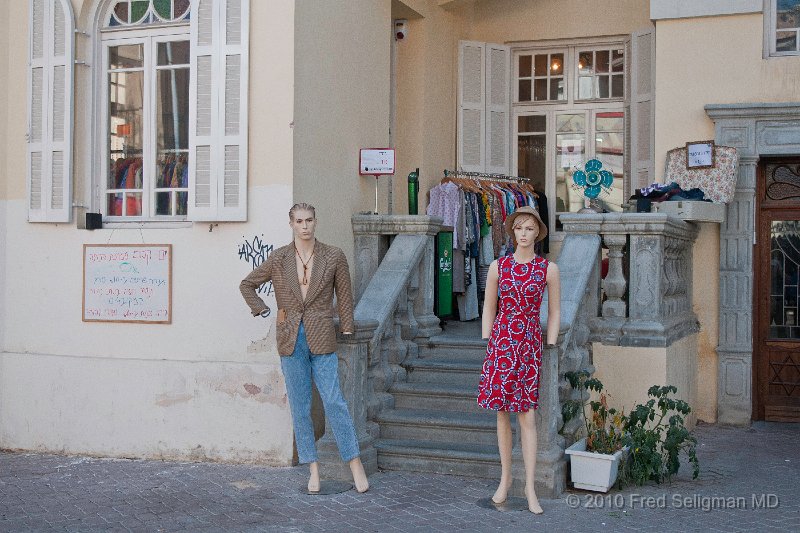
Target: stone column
x=550 y=473
x=353 y=353
x=735 y=350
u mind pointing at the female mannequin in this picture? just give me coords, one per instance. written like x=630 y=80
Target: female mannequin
x=304 y=276
x=510 y=376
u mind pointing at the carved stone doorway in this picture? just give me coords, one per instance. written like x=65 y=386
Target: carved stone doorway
x=757 y=131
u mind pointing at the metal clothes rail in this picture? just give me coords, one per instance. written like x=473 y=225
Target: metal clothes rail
x=485 y=176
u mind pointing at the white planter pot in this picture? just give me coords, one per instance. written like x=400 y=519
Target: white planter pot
x=593 y=471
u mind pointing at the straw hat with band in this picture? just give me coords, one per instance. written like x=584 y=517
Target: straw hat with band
x=526 y=210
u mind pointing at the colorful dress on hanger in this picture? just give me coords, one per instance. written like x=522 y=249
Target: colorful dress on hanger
x=510 y=376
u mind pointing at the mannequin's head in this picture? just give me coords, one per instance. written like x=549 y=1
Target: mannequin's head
x=526 y=230
x=303 y=221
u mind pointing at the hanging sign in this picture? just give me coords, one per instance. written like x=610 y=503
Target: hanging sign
x=127 y=283
x=376 y=161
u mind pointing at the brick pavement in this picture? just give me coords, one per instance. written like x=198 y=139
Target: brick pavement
x=57 y=493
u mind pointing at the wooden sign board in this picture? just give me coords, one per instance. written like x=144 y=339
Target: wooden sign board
x=127 y=283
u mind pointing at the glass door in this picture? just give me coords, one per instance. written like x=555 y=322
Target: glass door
x=776 y=349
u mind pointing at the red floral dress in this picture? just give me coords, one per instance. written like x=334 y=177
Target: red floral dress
x=510 y=376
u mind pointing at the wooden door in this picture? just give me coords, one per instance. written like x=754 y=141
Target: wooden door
x=776 y=353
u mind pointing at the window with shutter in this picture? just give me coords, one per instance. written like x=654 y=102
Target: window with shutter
x=174 y=84
x=640 y=99
x=498 y=63
x=471 y=107
x=145 y=124
x=781 y=28
x=218 y=111
x=50 y=82
x=483 y=107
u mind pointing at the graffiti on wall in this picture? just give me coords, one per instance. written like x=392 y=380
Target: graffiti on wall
x=256 y=252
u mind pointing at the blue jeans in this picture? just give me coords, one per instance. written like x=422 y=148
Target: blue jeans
x=298 y=370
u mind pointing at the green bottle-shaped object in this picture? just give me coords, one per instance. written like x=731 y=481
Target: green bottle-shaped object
x=413 y=192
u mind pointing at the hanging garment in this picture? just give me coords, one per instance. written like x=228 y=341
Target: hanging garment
x=445 y=202
x=544 y=213
x=458 y=271
x=487 y=250
x=468 y=302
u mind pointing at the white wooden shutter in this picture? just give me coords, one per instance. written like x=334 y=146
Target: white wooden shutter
x=641 y=102
x=471 y=152
x=50 y=99
x=498 y=66
x=218 y=110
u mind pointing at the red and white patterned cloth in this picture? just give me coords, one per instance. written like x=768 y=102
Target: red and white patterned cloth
x=510 y=376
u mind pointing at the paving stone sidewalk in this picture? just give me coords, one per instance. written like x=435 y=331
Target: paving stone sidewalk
x=742 y=469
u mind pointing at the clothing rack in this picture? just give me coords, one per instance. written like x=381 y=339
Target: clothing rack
x=485 y=176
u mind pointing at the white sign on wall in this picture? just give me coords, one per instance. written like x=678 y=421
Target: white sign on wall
x=376 y=162
x=127 y=283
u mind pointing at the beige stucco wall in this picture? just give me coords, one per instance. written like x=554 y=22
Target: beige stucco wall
x=341 y=105
x=693 y=69
x=705 y=302
x=504 y=21
x=627 y=372
x=426 y=85
x=206 y=386
x=14 y=98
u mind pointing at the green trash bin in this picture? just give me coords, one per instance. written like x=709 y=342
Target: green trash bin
x=443 y=280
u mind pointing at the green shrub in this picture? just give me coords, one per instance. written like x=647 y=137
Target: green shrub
x=657 y=439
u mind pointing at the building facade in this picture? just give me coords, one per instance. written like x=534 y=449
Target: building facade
x=196 y=124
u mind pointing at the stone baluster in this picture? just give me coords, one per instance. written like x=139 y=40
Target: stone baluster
x=615 y=284
x=353 y=354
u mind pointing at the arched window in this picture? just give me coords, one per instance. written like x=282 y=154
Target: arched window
x=146 y=126
x=136 y=12
x=173 y=117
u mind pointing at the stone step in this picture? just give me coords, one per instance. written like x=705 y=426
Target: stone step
x=456 y=458
x=436 y=396
x=444 y=427
x=445 y=370
x=456 y=347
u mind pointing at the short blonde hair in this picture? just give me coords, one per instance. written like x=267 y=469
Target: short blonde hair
x=302 y=206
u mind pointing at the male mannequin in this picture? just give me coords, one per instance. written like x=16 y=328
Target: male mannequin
x=304 y=276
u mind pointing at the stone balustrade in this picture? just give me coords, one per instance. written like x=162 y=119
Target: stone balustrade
x=647 y=291
x=393 y=315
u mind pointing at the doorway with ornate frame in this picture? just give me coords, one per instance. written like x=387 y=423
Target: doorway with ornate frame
x=776 y=354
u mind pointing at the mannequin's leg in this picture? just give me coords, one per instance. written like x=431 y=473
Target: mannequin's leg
x=297 y=374
x=527 y=425
x=325 y=370
x=504 y=443
x=313 y=477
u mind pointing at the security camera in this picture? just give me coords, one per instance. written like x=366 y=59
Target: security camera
x=400 y=29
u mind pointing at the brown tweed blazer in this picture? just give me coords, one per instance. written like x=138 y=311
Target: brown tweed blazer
x=329 y=271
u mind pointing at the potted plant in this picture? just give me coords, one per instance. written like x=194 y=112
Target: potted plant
x=594 y=459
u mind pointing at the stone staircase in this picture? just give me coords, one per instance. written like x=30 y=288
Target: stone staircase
x=436 y=424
